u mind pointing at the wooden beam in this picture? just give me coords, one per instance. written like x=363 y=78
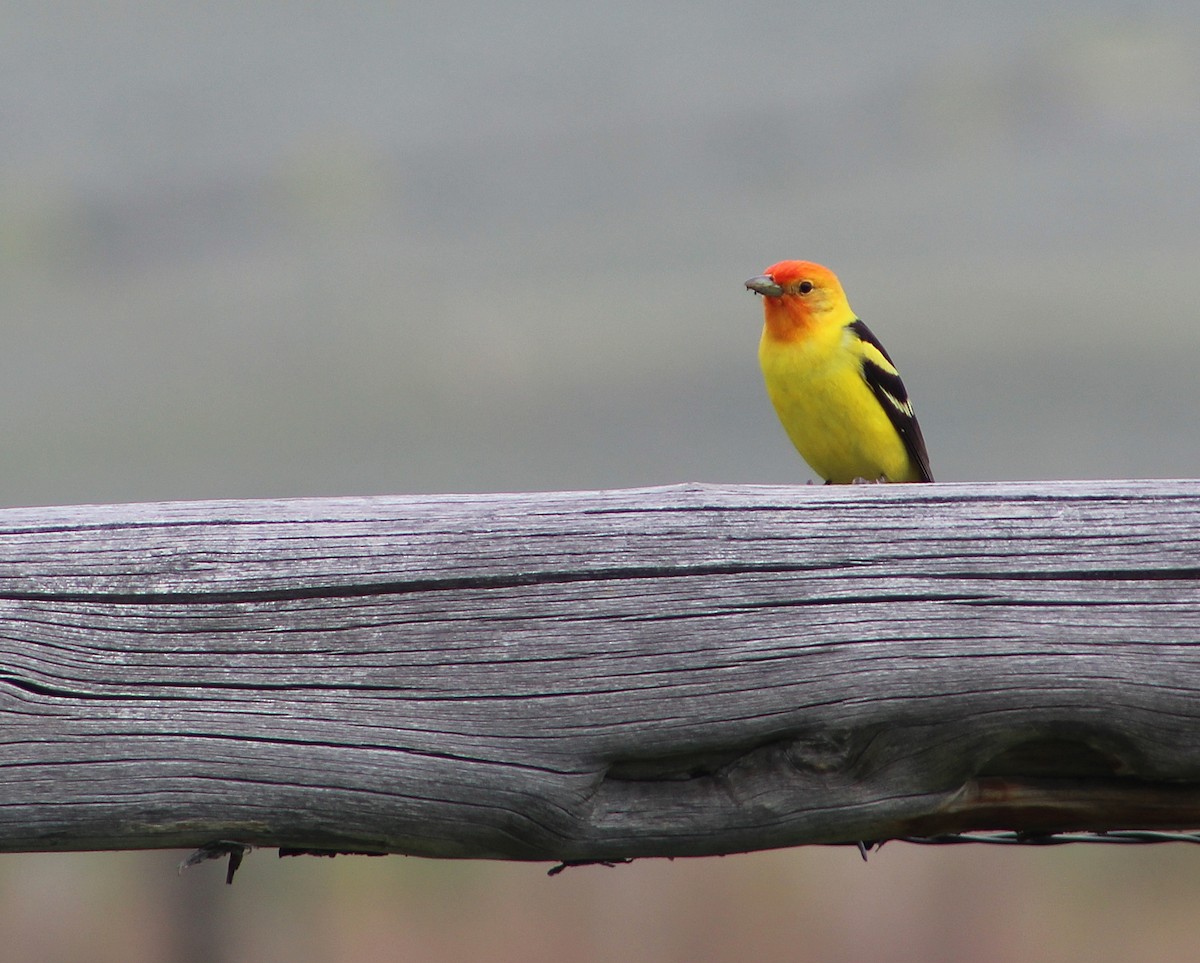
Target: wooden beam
x=598 y=675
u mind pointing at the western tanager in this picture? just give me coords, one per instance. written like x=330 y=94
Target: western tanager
x=834 y=388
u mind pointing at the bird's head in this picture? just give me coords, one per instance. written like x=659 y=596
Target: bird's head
x=798 y=296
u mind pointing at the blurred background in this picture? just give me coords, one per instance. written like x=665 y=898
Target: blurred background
x=271 y=250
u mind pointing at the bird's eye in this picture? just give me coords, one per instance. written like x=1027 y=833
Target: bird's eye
x=805 y=287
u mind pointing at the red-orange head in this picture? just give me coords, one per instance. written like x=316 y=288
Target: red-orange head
x=798 y=296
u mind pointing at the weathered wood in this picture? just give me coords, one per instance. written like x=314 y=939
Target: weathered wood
x=594 y=675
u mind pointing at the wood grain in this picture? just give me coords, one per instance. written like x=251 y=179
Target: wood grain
x=596 y=675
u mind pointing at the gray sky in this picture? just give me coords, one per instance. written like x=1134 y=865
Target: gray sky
x=256 y=250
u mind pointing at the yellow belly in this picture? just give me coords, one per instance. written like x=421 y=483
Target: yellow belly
x=831 y=415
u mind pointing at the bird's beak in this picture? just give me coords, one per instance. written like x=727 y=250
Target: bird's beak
x=765 y=285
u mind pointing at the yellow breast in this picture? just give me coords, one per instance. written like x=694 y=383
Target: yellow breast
x=828 y=410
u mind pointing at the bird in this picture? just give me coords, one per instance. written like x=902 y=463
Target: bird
x=834 y=387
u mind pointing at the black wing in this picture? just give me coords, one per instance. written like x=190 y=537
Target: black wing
x=891 y=394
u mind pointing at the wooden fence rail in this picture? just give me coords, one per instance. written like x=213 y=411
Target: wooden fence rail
x=598 y=675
